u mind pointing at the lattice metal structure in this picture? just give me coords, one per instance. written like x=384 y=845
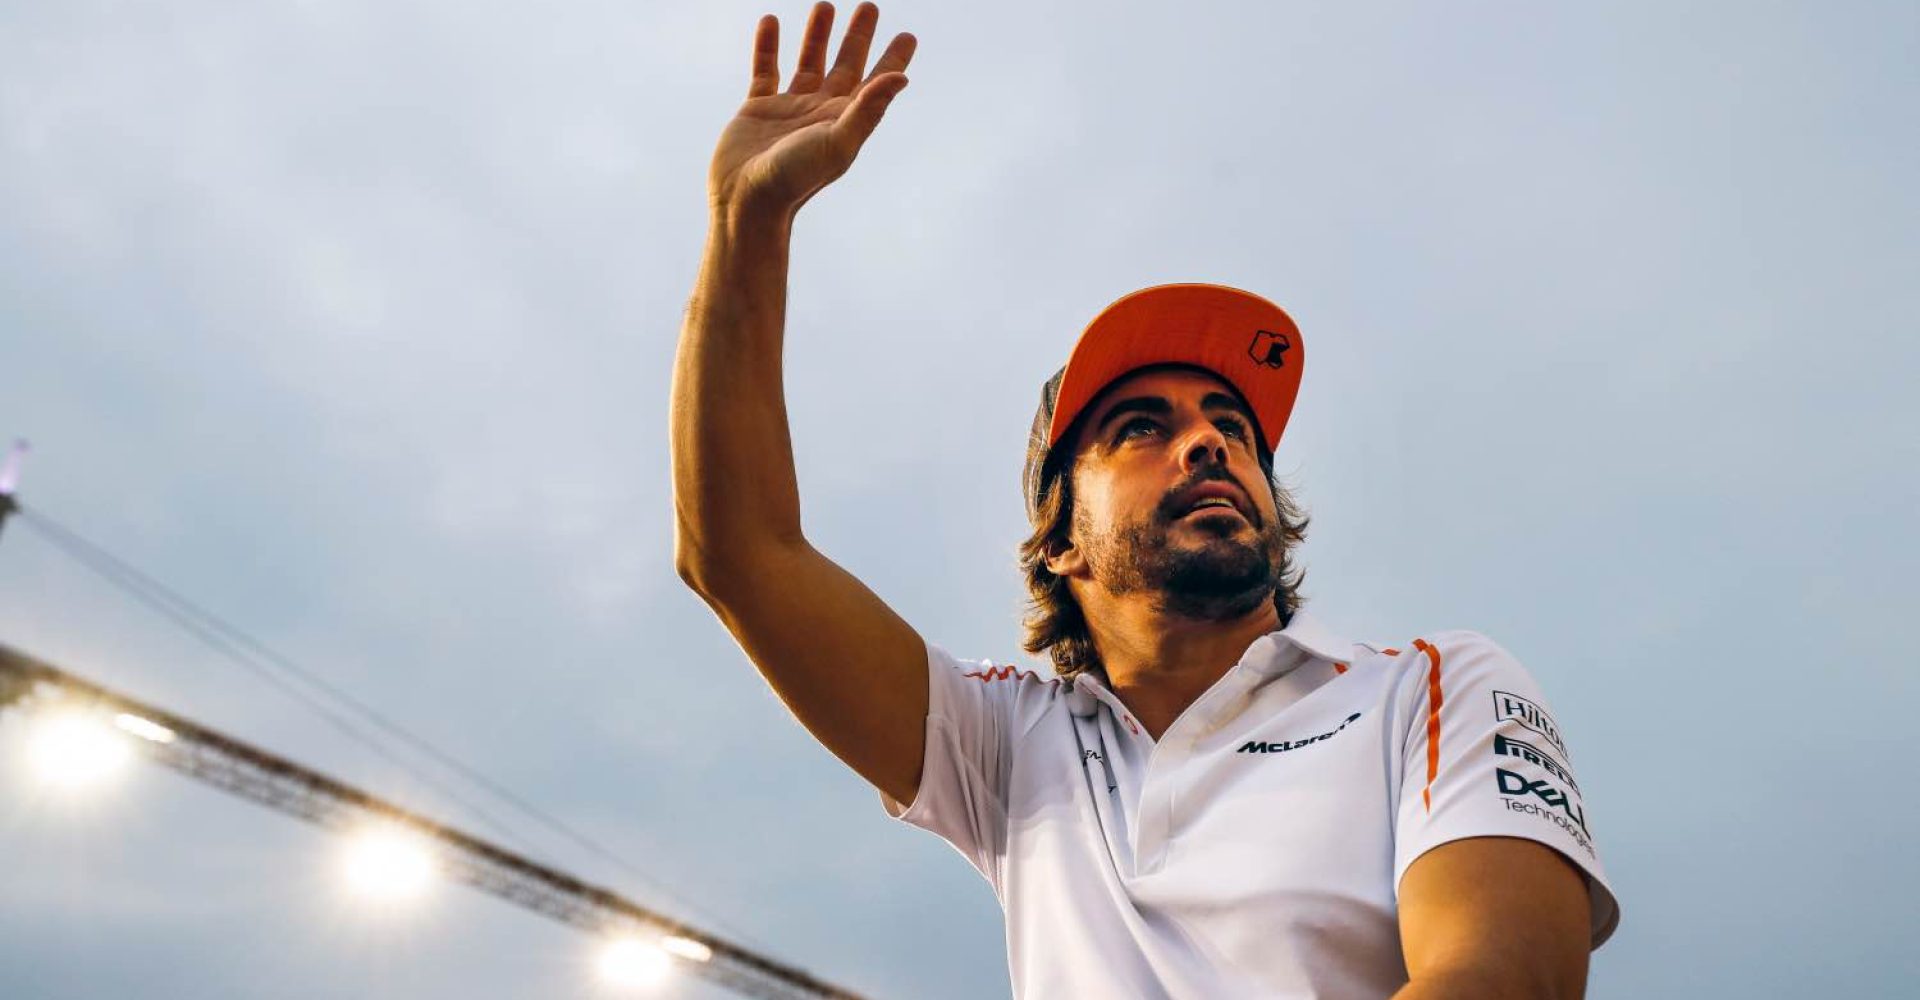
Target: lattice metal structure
x=278 y=783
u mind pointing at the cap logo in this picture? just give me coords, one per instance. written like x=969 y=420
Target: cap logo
x=1269 y=348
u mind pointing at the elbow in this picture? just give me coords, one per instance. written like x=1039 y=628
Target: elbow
x=689 y=574
x=709 y=573
x=689 y=564
x=713 y=561
x=692 y=555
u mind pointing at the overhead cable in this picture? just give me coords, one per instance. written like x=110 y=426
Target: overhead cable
x=260 y=659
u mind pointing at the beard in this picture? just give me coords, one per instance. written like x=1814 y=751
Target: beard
x=1225 y=574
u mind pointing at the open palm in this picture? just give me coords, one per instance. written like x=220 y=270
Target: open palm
x=782 y=148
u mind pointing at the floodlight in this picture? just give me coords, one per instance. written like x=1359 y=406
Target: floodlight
x=633 y=963
x=74 y=748
x=389 y=863
x=687 y=948
x=146 y=729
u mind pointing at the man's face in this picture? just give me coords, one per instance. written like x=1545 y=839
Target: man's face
x=1170 y=499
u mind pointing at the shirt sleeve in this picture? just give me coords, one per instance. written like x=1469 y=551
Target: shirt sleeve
x=971 y=708
x=1484 y=757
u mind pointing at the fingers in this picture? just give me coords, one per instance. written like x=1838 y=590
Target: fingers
x=766 y=57
x=813 y=50
x=853 y=51
x=808 y=75
x=899 y=53
x=862 y=116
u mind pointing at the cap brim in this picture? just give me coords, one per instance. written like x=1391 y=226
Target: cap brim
x=1248 y=341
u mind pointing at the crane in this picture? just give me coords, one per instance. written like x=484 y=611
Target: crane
x=256 y=775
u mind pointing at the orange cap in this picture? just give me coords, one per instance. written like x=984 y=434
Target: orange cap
x=1248 y=341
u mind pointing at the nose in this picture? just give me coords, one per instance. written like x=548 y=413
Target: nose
x=1208 y=445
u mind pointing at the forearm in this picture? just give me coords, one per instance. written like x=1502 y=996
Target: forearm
x=736 y=505
x=733 y=475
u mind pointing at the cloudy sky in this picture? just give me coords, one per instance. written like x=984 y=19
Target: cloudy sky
x=353 y=321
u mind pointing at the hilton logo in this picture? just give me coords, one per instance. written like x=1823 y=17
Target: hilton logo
x=1269 y=348
x=1508 y=706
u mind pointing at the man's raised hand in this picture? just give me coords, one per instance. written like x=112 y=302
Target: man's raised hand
x=782 y=148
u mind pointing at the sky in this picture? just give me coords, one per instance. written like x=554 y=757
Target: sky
x=354 y=323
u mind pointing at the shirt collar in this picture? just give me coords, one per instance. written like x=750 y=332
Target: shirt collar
x=1268 y=656
x=1308 y=633
x=1275 y=654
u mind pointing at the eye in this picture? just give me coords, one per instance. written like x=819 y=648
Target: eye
x=1234 y=427
x=1136 y=424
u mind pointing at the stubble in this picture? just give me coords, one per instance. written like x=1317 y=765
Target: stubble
x=1222 y=574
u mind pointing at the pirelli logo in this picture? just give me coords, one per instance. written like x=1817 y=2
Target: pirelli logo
x=1504 y=747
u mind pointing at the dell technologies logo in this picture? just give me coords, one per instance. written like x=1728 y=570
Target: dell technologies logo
x=1554 y=804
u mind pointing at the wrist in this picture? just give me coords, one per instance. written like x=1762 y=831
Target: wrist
x=745 y=220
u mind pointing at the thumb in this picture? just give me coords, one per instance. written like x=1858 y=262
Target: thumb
x=863 y=114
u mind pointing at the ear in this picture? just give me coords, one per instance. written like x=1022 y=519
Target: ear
x=1067 y=560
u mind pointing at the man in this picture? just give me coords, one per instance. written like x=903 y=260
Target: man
x=1216 y=796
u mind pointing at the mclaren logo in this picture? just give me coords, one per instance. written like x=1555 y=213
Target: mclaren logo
x=1256 y=746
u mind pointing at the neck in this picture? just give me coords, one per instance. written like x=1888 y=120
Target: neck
x=1158 y=663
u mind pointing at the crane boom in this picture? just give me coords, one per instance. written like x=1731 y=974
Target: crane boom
x=273 y=781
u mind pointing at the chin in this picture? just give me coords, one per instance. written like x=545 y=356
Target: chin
x=1237 y=538
x=1221 y=567
x=1218 y=598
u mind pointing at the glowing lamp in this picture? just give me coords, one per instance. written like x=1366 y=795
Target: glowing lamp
x=687 y=948
x=72 y=749
x=631 y=963
x=389 y=863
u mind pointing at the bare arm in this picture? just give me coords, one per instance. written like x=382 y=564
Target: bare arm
x=1494 y=918
x=848 y=667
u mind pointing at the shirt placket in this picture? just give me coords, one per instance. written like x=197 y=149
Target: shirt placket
x=1123 y=747
x=1160 y=790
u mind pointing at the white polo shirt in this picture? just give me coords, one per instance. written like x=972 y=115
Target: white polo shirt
x=1256 y=849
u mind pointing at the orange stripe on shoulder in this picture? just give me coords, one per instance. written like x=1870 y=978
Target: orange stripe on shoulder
x=1434 y=700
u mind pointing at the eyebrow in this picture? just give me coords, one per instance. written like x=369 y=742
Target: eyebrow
x=1223 y=401
x=1159 y=407
x=1136 y=404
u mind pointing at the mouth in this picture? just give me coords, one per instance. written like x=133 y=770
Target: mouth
x=1212 y=506
x=1209 y=498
